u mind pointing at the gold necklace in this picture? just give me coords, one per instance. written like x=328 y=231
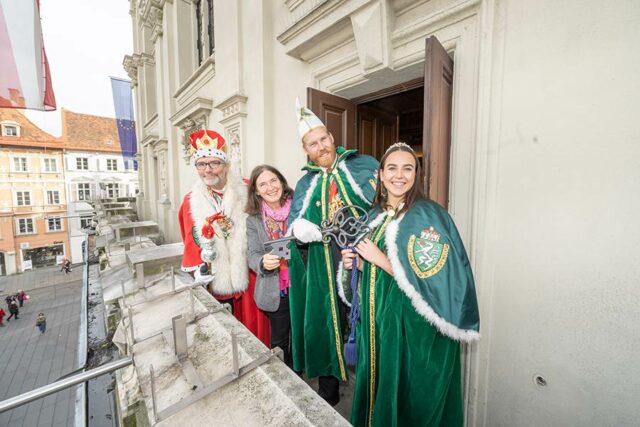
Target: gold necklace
x=392 y=211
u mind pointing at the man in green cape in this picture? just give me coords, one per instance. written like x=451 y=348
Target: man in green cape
x=335 y=177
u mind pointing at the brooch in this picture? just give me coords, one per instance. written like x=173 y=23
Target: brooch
x=224 y=223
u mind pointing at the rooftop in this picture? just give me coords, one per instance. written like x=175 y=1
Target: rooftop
x=90 y=133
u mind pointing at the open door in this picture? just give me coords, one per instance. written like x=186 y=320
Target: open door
x=377 y=130
x=338 y=114
x=438 y=93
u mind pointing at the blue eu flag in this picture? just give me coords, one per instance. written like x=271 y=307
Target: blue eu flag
x=123 y=103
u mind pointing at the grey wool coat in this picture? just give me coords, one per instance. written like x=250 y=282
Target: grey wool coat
x=267 y=292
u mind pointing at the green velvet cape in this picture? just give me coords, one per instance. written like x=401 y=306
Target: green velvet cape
x=316 y=335
x=408 y=371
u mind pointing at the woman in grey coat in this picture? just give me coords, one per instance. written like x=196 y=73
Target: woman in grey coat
x=268 y=206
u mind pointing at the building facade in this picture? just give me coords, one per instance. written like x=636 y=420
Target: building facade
x=33 y=204
x=94 y=169
x=524 y=114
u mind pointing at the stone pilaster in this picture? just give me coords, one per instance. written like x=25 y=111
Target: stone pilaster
x=234 y=117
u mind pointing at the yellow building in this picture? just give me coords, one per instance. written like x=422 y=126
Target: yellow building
x=33 y=206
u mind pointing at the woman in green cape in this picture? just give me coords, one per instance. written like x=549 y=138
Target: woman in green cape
x=417 y=302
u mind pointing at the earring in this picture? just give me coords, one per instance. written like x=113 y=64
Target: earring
x=383 y=191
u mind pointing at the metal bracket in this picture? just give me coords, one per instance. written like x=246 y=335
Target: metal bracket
x=179 y=329
x=140 y=275
x=200 y=393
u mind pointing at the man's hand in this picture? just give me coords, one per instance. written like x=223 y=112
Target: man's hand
x=270 y=262
x=305 y=231
x=201 y=276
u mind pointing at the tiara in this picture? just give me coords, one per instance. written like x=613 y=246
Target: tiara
x=399 y=144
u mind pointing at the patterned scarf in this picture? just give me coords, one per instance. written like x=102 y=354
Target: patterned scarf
x=275 y=224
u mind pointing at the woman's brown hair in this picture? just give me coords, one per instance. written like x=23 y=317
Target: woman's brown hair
x=414 y=193
x=253 y=200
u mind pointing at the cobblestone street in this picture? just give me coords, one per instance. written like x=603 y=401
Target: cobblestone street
x=29 y=359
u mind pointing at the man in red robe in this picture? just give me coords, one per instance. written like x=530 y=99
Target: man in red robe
x=213 y=226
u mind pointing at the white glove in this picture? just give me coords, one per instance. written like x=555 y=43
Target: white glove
x=305 y=231
x=202 y=279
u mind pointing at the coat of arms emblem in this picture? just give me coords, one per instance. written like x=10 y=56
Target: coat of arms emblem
x=427 y=255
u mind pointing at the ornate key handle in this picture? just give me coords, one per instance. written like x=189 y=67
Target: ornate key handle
x=345 y=229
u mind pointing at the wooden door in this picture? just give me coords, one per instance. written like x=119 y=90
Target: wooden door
x=376 y=129
x=338 y=114
x=438 y=92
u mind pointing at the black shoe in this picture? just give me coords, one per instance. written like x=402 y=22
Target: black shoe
x=332 y=401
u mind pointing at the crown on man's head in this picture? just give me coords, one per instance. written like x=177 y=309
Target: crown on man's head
x=208 y=143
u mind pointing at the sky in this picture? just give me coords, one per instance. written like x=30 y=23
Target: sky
x=85 y=41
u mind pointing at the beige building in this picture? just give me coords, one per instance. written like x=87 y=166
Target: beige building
x=94 y=169
x=33 y=205
x=526 y=116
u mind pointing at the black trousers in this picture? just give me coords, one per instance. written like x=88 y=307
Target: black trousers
x=280 y=323
x=13 y=314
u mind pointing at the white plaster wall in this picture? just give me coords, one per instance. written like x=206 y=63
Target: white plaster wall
x=565 y=246
x=272 y=80
x=544 y=178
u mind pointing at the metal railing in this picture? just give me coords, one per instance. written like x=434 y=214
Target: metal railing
x=55 y=387
x=81 y=391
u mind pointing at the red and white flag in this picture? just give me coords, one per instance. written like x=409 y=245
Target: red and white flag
x=25 y=81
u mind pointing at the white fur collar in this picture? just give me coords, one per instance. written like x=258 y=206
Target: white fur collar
x=230 y=266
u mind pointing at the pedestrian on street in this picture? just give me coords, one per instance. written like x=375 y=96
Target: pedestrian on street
x=22 y=297
x=2 y=313
x=66 y=266
x=13 y=309
x=41 y=323
x=8 y=299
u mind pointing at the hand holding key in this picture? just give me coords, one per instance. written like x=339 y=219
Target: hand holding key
x=270 y=262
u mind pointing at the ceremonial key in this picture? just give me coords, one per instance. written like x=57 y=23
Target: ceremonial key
x=344 y=229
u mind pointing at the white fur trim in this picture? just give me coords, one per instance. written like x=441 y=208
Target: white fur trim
x=190 y=269
x=209 y=152
x=307 y=197
x=421 y=306
x=354 y=185
x=341 y=294
x=230 y=266
x=377 y=220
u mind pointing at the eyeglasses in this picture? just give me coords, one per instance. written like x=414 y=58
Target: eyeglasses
x=214 y=164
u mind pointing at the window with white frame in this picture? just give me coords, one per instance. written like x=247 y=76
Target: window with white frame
x=53 y=197
x=25 y=226
x=112 y=164
x=50 y=165
x=85 y=221
x=82 y=163
x=23 y=198
x=54 y=223
x=10 y=130
x=84 y=191
x=20 y=164
x=113 y=190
